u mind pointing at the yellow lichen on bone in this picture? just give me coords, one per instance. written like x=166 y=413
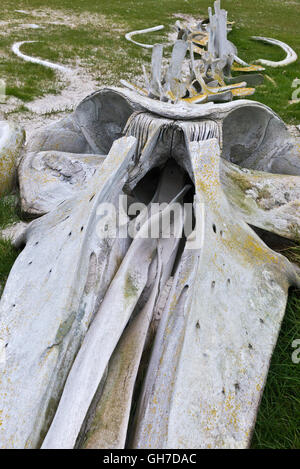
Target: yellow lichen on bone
x=249 y=68
x=238 y=92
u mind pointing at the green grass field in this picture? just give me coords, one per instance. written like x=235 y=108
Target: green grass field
x=90 y=34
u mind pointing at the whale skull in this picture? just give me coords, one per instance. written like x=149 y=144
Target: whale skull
x=183 y=330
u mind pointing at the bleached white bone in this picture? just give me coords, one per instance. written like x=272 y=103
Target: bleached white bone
x=115 y=404
x=291 y=55
x=62 y=295
x=202 y=335
x=16 y=50
x=11 y=140
x=240 y=61
x=267 y=201
x=110 y=423
x=72 y=270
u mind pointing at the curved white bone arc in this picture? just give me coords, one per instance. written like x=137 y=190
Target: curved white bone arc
x=133 y=87
x=156 y=70
x=291 y=55
x=113 y=411
x=102 y=337
x=228 y=341
x=16 y=50
x=11 y=140
x=130 y=35
x=265 y=200
x=240 y=61
x=66 y=251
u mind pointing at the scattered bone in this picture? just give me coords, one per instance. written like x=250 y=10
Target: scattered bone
x=294 y=101
x=204 y=81
x=291 y=55
x=271 y=80
x=208 y=304
x=50 y=352
x=130 y=35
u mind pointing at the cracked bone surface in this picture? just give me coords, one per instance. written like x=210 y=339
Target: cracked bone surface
x=86 y=318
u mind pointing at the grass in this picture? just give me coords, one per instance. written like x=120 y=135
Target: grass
x=94 y=36
x=8 y=255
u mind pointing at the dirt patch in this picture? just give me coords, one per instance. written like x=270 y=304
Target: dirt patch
x=70 y=18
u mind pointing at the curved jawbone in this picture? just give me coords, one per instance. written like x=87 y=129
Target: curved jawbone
x=216 y=301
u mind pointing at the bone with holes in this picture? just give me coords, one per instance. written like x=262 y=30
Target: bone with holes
x=144 y=340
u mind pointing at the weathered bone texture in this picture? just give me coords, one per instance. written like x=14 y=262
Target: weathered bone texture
x=11 y=140
x=104 y=333
x=211 y=354
x=80 y=312
x=35 y=60
x=113 y=411
x=15 y=233
x=268 y=201
x=204 y=82
x=62 y=158
x=52 y=293
x=209 y=78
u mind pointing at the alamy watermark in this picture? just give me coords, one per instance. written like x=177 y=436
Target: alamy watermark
x=156 y=220
x=296 y=92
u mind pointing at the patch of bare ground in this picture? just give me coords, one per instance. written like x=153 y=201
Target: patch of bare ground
x=75 y=85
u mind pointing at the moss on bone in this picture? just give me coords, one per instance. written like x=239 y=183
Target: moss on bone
x=130 y=288
x=64 y=328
